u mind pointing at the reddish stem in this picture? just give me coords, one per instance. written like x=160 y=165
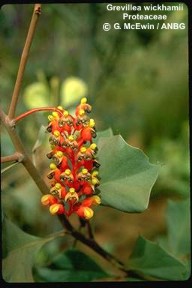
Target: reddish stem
x=20 y=117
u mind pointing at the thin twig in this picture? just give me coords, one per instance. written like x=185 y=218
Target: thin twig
x=90 y=242
x=90 y=230
x=23 y=61
x=8 y=120
x=34 y=110
x=16 y=157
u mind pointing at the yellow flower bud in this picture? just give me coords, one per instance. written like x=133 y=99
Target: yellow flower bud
x=54 y=208
x=45 y=199
x=52 y=166
x=91 y=123
x=93 y=146
x=55 y=115
x=95 y=181
x=95 y=173
x=71 y=138
x=72 y=190
x=84 y=171
x=88 y=213
x=68 y=172
x=83 y=149
x=65 y=113
x=59 y=154
x=83 y=100
x=96 y=200
x=56 y=133
x=81 y=112
x=57 y=186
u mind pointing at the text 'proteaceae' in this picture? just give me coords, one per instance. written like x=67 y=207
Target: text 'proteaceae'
x=74 y=167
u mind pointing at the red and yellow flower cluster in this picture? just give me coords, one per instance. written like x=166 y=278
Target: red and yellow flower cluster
x=74 y=168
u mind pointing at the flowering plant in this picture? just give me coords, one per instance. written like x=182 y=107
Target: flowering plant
x=86 y=169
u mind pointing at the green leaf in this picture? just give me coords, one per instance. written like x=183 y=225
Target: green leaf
x=178 y=239
x=179 y=235
x=150 y=259
x=36 y=95
x=127 y=177
x=104 y=133
x=19 y=249
x=70 y=266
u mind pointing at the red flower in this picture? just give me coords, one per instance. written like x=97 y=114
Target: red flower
x=74 y=170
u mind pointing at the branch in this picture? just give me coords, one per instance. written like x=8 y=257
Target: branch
x=90 y=231
x=91 y=243
x=16 y=157
x=23 y=61
x=26 y=161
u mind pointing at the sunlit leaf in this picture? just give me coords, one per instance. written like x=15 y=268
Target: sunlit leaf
x=127 y=176
x=70 y=266
x=36 y=95
x=72 y=90
x=150 y=259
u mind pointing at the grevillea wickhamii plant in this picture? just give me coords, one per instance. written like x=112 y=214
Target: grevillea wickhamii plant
x=74 y=168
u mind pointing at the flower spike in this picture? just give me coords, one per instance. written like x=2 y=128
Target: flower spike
x=74 y=167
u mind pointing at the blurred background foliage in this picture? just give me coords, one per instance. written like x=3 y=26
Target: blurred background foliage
x=137 y=82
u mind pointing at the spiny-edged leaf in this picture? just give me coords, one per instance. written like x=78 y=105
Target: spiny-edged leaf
x=19 y=249
x=127 y=177
x=104 y=133
x=70 y=266
x=150 y=259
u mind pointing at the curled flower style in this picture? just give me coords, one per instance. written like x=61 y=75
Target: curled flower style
x=73 y=173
